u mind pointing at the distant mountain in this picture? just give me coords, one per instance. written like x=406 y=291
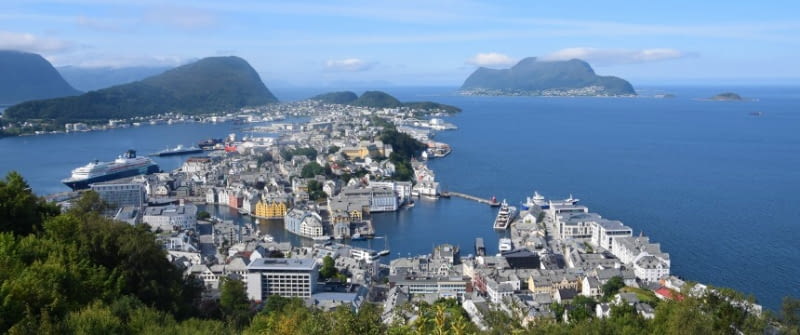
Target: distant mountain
x=378 y=99
x=95 y=78
x=534 y=77
x=26 y=76
x=727 y=96
x=341 y=98
x=209 y=85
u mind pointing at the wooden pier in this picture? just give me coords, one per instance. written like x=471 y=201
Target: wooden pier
x=490 y=202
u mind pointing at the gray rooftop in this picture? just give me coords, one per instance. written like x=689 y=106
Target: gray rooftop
x=295 y=264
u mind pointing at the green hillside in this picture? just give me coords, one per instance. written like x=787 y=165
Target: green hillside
x=209 y=85
x=379 y=99
x=96 y=78
x=342 y=98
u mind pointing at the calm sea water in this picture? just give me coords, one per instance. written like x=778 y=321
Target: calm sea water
x=714 y=185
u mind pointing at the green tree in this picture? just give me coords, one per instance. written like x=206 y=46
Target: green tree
x=95 y=319
x=315 y=191
x=402 y=144
x=328 y=269
x=203 y=215
x=582 y=308
x=368 y=320
x=21 y=212
x=790 y=315
x=89 y=203
x=234 y=303
x=403 y=170
x=558 y=310
x=312 y=169
x=612 y=287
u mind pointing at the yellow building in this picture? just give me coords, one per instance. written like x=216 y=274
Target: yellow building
x=270 y=210
x=551 y=282
x=353 y=153
x=367 y=149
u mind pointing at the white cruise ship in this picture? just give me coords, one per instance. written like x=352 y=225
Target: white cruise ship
x=126 y=165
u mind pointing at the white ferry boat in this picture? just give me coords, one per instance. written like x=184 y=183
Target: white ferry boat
x=537 y=200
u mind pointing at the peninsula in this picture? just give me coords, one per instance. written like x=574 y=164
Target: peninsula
x=535 y=77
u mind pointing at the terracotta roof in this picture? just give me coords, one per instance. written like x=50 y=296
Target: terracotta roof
x=668 y=294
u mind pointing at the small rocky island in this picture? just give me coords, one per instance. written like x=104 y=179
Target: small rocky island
x=727 y=96
x=534 y=77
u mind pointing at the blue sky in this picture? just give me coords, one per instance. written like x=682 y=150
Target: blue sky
x=419 y=42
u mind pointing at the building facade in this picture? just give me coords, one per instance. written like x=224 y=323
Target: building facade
x=286 y=277
x=121 y=195
x=172 y=217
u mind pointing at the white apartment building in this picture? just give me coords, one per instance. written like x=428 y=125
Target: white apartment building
x=286 y=277
x=171 y=217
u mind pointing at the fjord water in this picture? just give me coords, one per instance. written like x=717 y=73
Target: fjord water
x=716 y=186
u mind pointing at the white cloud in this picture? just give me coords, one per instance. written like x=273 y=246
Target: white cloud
x=188 y=18
x=491 y=59
x=615 y=56
x=103 y=24
x=31 y=43
x=348 y=65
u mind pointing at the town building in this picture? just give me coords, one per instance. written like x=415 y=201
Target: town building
x=286 y=277
x=121 y=195
x=304 y=223
x=270 y=209
x=171 y=217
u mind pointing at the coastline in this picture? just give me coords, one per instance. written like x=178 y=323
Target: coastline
x=592 y=187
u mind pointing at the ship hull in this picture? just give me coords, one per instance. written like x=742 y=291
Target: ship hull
x=84 y=183
x=178 y=153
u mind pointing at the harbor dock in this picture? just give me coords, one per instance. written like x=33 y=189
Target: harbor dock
x=490 y=202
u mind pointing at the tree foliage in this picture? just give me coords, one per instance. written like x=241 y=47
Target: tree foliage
x=328 y=269
x=790 y=315
x=77 y=259
x=21 y=211
x=234 y=303
x=315 y=191
x=309 y=152
x=312 y=169
x=612 y=286
x=403 y=144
